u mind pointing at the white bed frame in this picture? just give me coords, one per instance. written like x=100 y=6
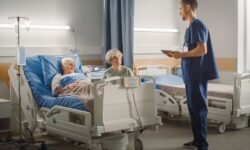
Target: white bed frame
x=164 y=101
x=116 y=108
x=153 y=70
x=222 y=111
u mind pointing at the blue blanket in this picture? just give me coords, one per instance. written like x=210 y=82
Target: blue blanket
x=166 y=80
x=66 y=80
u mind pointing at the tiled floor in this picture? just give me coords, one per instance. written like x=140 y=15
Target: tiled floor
x=174 y=133
x=171 y=136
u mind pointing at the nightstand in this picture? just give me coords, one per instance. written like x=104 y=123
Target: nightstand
x=5 y=118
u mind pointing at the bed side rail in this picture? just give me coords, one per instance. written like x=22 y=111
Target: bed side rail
x=29 y=106
x=68 y=122
x=166 y=102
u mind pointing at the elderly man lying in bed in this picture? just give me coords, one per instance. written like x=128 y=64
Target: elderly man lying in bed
x=72 y=84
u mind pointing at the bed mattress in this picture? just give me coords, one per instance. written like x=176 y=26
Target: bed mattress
x=174 y=85
x=216 y=90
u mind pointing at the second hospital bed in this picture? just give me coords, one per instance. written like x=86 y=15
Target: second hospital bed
x=228 y=105
x=117 y=108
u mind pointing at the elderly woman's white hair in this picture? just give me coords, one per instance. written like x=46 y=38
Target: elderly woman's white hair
x=111 y=54
x=64 y=60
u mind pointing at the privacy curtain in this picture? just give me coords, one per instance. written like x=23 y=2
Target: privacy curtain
x=119 y=28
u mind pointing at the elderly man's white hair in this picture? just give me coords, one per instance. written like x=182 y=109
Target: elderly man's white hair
x=64 y=60
x=111 y=53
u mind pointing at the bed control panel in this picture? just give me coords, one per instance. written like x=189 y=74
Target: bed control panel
x=131 y=82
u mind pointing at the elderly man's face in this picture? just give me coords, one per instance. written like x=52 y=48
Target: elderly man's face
x=68 y=67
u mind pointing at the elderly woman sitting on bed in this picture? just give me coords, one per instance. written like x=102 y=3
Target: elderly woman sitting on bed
x=114 y=57
x=72 y=84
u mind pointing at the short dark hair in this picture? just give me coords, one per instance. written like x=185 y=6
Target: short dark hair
x=192 y=3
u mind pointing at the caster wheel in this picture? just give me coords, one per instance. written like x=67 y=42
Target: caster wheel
x=249 y=122
x=87 y=147
x=221 y=128
x=43 y=147
x=138 y=144
x=171 y=115
x=28 y=134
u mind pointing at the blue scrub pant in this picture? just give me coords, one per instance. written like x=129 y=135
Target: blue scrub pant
x=196 y=101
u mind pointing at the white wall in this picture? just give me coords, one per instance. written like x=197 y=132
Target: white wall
x=241 y=37
x=248 y=36
x=155 y=14
x=219 y=15
x=243 y=63
x=221 y=18
x=4 y=91
x=85 y=16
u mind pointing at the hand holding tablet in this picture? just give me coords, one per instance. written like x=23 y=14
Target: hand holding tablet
x=169 y=53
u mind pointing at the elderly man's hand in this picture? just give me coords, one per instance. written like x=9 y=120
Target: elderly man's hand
x=72 y=85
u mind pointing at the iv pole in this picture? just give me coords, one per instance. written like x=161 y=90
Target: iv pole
x=19 y=73
x=19 y=80
x=22 y=144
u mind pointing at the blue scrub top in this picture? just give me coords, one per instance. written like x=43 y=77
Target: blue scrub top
x=202 y=68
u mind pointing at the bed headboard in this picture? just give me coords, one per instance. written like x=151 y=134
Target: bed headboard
x=153 y=70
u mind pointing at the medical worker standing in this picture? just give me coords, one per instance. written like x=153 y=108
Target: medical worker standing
x=198 y=66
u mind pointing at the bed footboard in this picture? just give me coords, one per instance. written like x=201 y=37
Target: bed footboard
x=119 y=108
x=242 y=95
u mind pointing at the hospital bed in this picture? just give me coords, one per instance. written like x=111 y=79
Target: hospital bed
x=122 y=107
x=228 y=105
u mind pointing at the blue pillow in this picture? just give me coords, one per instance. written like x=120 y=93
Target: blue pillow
x=51 y=65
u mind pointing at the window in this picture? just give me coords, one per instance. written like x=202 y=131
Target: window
x=247 y=10
x=243 y=64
